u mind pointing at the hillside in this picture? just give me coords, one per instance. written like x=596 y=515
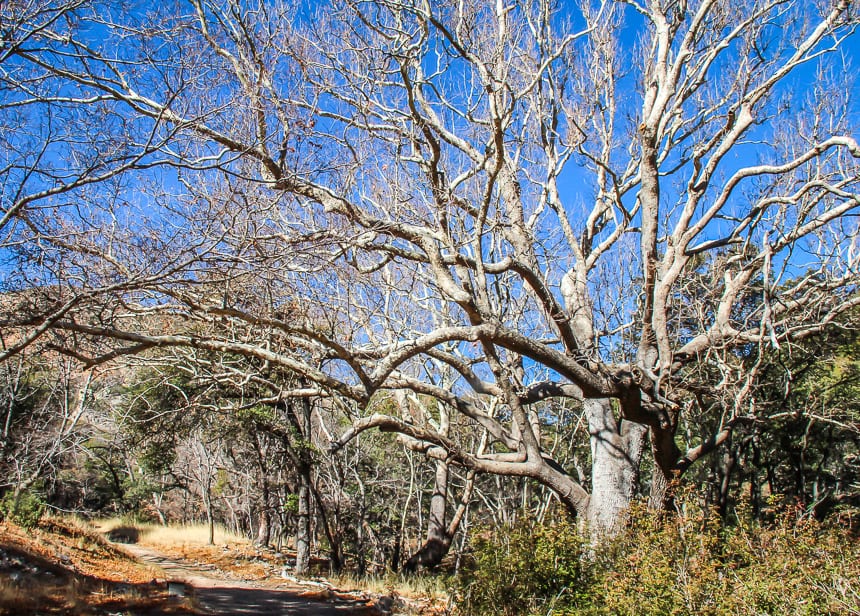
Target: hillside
x=64 y=567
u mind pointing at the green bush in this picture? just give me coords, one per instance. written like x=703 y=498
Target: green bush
x=691 y=564
x=528 y=568
x=662 y=566
x=26 y=510
x=792 y=567
x=684 y=563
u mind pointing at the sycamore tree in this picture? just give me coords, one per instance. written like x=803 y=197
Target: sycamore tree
x=616 y=204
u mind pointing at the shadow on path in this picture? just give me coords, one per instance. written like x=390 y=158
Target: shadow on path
x=238 y=601
x=224 y=597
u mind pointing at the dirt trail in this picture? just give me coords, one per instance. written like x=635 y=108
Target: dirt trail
x=225 y=597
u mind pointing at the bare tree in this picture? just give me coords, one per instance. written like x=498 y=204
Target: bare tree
x=604 y=203
x=44 y=404
x=52 y=155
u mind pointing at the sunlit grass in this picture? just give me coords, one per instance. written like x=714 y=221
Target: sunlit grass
x=65 y=566
x=414 y=586
x=147 y=533
x=243 y=559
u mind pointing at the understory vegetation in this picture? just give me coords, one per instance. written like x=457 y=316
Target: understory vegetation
x=688 y=562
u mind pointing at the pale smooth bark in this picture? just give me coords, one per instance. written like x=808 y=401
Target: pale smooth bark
x=545 y=212
x=437 y=541
x=616 y=454
x=304 y=514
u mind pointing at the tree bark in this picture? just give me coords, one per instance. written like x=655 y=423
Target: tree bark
x=303 y=530
x=210 y=518
x=438 y=542
x=616 y=455
x=264 y=531
x=334 y=540
x=157 y=498
x=439 y=536
x=666 y=473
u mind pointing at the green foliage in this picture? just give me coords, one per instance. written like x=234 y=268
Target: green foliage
x=136 y=491
x=690 y=564
x=673 y=565
x=810 y=450
x=792 y=567
x=156 y=457
x=526 y=569
x=684 y=563
x=291 y=504
x=25 y=509
x=257 y=413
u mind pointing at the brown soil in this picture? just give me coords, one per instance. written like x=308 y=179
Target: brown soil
x=63 y=568
x=66 y=568
x=215 y=591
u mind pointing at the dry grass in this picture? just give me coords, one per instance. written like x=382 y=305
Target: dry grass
x=414 y=594
x=236 y=557
x=414 y=586
x=64 y=567
x=231 y=554
x=166 y=536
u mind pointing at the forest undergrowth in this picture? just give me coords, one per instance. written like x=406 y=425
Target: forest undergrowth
x=687 y=562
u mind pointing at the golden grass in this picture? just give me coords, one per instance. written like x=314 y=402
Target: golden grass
x=419 y=586
x=237 y=557
x=232 y=554
x=166 y=536
x=71 y=569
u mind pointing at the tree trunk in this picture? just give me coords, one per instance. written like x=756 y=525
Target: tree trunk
x=334 y=540
x=437 y=543
x=303 y=530
x=210 y=519
x=616 y=455
x=157 y=498
x=727 y=468
x=264 y=531
x=665 y=474
x=616 y=446
x=439 y=536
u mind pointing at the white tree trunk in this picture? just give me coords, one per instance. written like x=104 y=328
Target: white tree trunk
x=616 y=447
x=436 y=545
x=616 y=455
x=303 y=530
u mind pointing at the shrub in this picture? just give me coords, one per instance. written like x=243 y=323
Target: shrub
x=691 y=564
x=668 y=564
x=527 y=568
x=672 y=564
x=794 y=567
x=25 y=510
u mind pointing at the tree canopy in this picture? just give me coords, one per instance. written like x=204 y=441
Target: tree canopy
x=495 y=206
